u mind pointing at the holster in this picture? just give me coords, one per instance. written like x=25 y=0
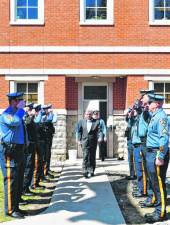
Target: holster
x=9 y=148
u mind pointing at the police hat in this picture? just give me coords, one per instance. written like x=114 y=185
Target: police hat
x=147 y=91
x=47 y=106
x=15 y=95
x=30 y=105
x=37 y=107
x=155 y=98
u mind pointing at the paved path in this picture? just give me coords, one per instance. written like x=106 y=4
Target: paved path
x=79 y=201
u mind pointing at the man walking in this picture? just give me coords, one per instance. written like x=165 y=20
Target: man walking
x=88 y=131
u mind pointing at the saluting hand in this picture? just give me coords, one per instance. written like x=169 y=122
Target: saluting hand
x=159 y=162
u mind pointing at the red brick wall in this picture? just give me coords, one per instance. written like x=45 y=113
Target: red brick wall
x=85 y=61
x=119 y=94
x=55 y=91
x=71 y=94
x=62 y=26
x=134 y=85
x=4 y=90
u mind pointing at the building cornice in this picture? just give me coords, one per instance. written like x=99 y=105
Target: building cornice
x=84 y=49
x=83 y=72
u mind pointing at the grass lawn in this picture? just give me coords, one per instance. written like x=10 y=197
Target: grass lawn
x=2 y=217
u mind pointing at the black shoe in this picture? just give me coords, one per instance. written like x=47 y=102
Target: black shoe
x=153 y=217
x=131 y=177
x=91 y=174
x=45 y=180
x=23 y=202
x=137 y=194
x=50 y=176
x=23 y=212
x=146 y=204
x=38 y=187
x=85 y=175
x=17 y=215
x=28 y=193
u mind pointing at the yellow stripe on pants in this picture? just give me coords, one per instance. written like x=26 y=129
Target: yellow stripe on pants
x=144 y=179
x=161 y=191
x=9 y=185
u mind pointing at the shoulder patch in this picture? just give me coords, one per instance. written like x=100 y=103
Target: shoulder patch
x=163 y=121
x=9 y=117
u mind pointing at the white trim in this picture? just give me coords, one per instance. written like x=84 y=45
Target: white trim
x=157 y=78
x=24 y=77
x=85 y=49
x=84 y=72
x=39 y=21
x=152 y=20
x=12 y=86
x=41 y=92
x=108 y=21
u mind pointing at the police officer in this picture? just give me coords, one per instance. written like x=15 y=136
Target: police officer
x=40 y=148
x=157 y=156
x=30 y=149
x=49 y=130
x=129 y=120
x=13 y=138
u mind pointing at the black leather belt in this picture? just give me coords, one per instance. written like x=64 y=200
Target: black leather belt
x=152 y=149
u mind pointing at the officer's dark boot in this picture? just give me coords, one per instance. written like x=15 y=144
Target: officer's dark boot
x=154 y=217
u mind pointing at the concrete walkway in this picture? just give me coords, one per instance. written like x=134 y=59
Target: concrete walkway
x=79 y=201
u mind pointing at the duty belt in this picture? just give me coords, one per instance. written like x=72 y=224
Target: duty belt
x=154 y=149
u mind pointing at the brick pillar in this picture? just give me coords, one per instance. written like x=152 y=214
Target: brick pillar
x=134 y=85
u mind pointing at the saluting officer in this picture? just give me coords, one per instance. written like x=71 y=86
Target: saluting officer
x=13 y=138
x=157 y=156
x=30 y=150
x=48 y=120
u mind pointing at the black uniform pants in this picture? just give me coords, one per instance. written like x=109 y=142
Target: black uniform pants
x=29 y=166
x=13 y=176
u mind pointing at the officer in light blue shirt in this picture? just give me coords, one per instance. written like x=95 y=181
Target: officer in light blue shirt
x=13 y=138
x=157 y=157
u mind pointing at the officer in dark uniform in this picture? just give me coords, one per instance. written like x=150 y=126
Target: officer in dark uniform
x=40 y=148
x=30 y=149
x=130 y=120
x=48 y=120
x=13 y=137
x=157 y=157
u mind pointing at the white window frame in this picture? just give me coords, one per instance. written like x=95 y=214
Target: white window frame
x=152 y=20
x=15 y=21
x=13 y=87
x=108 y=21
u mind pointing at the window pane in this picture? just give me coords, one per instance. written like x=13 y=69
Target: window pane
x=159 y=3
x=32 y=98
x=101 y=14
x=167 y=13
x=21 y=13
x=90 y=13
x=101 y=3
x=167 y=3
x=159 y=14
x=21 y=2
x=33 y=87
x=167 y=87
x=32 y=13
x=167 y=98
x=21 y=87
x=90 y=3
x=32 y=2
x=159 y=87
x=95 y=92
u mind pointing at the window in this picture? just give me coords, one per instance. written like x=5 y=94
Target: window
x=96 y=12
x=95 y=92
x=27 y=12
x=30 y=91
x=163 y=89
x=159 y=12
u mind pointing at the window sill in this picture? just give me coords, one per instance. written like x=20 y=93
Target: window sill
x=159 y=23
x=27 y=22
x=95 y=23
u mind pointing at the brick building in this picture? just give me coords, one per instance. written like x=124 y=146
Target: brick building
x=76 y=54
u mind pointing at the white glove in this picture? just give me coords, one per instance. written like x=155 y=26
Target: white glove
x=159 y=162
x=21 y=104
